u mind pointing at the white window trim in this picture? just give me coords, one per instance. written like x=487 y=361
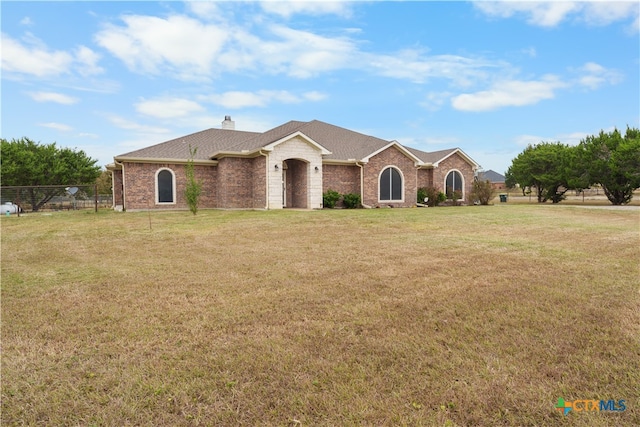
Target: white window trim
x=463 y=182
x=173 y=184
x=401 y=187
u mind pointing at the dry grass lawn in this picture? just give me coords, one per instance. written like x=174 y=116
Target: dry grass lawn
x=468 y=316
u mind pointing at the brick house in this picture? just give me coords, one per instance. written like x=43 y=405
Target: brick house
x=497 y=180
x=289 y=166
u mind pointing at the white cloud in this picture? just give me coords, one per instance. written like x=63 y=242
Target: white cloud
x=53 y=97
x=315 y=96
x=167 y=108
x=34 y=58
x=261 y=98
x=204 y=9
x=87 y=61
x=319 y=7
x=57 y=126
x=126 y=124
x=605 y=13
x=87 y=135
x=148 y=44
x=188 y=49
x=510 y=93
x=552 y=13
x=27 y=21
x=418 y=67
x=435 y=100
x=572 y=138
x=544 y=14
x=595 y=75
x=303 y=54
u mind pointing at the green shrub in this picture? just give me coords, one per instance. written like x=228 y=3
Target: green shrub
x=422 y=193
x=330 y=198
x=351 y=200
x=435 y=196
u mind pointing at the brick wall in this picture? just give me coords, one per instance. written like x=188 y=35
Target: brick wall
x=425 y=178
x=452 y=162
x=390 y=157
x=235 y=183
x=341 y=178
x=140 y=185
x=258 y=167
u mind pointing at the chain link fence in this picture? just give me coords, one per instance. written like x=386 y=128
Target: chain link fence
x=42 y=198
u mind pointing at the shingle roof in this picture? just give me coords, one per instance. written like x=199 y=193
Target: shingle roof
x=491 y=175
x=433 y=156
x=344 y=144
x=207 y=142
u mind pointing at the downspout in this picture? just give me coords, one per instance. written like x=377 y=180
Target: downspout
x=266 y=176
x=418 y=204
x=123 y=186
x=362 y=186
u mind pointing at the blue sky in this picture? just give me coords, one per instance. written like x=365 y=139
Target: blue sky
x=488 y=77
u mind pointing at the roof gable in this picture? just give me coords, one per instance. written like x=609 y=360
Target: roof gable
x=401 y=148
x=462 y=154
x=310 y=141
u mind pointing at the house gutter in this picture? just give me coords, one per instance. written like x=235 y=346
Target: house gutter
x=361 y=166
x=121 y=164
x=266 y=174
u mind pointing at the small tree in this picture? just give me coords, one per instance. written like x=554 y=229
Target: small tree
x=194 y=187
x=482 y=191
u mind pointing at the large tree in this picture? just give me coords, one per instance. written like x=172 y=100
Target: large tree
x=613 y=161
x=549 y=167
x=27 y=163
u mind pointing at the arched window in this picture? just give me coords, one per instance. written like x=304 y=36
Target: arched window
x=165 y=186
x=391 y=185
x=454 y=183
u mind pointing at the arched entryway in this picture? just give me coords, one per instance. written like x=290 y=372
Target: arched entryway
x=295 y=183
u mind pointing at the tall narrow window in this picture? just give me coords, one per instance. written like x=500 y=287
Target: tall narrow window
x=453 y=184
x=390 y=184
x=165 y=186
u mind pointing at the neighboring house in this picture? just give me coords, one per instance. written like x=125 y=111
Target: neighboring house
x=496 y=179
x=289 y=166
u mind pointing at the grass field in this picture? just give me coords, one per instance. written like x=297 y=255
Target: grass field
x=467 y=316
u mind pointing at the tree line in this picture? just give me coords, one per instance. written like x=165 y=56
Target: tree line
x=609 y=159
x=25 y=162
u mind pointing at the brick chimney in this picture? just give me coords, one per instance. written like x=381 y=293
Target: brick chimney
x=228 y=123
